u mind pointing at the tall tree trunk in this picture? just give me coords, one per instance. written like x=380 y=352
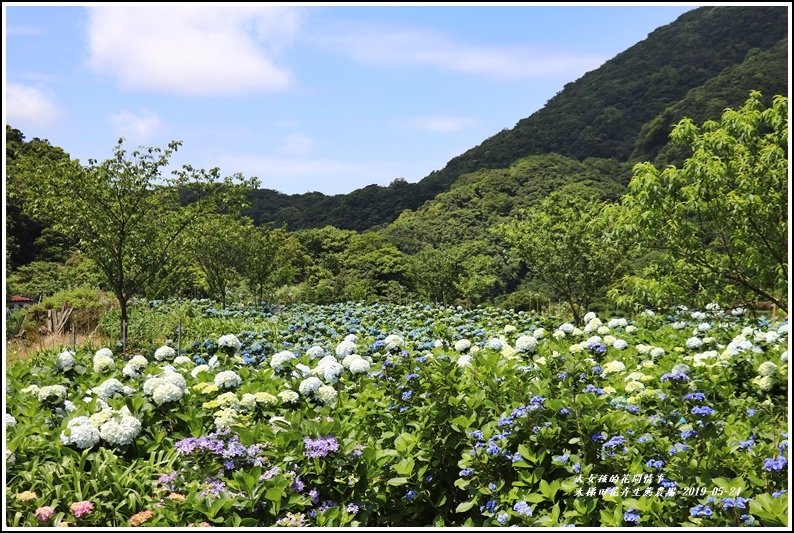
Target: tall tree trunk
x=123 y=324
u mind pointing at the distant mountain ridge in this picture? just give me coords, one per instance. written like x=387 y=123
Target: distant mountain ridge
x=706 y=60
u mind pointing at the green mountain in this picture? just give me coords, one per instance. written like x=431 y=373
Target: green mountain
x=708 y=59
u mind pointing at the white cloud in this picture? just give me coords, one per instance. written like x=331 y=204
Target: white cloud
x=439 y=124
x=389 y=47
x=28 y=106
x=192 y=49
x=136 y=127
x=297 y=144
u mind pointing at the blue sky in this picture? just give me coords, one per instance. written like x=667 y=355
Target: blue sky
x=305 y=98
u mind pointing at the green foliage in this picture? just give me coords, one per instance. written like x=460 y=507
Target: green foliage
x=567 y=242
x=762 y=70
x=721 y=219
x=127 y=216
x=43 y=278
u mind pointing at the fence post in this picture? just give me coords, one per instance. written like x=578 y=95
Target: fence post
x=74 y=340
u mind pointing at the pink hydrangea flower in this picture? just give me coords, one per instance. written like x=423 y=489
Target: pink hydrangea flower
x=45 y=513
x=81 y=508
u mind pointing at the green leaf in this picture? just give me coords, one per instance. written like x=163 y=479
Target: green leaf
x=465 y=506
x=397 y=481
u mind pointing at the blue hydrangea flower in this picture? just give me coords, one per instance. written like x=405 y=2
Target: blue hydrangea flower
x=655 y=463
x=738 y=503
x=632 y=516
x=522 y=508
x=775 y=465
x=700 y=510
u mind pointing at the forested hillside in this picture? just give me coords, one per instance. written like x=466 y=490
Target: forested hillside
x=705 y=61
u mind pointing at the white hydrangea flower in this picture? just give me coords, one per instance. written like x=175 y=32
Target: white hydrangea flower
x=332 y=372
x=771 y=337
x=288 y=396
x=174 y=378
x=213 y=362
x=10 y=421
x=698 y=315
x=589 y=316
x=228 y=379
x=438 y=343
x=164 y=353
x=121 y=429
x=309 y=385
x=603 y=330
x=609 y=340
x=577 y=332
x=642 y=349
x=767 y=368
x=352 y=338
x=540 y=360
x=280 y=359
x=110 y=387
x=198 y=370
x=81 y=433
x=784 y=357
x=103 y=362
x=326 y=394
x=693 y=343
x=738 y=311
x=229 y=341
x=705 y=358
x=634 y=386
x=166 y=393
x=630 y=329
x=783 y=330
x=134 y=366
x=182 y=360
x=614 y=323
x=248 y=401
x=558 y=334
x=657 y=352
x=704 y=327
x=620 y=344
x=225 y=418
x=526 y=344
x=393 y=342
x=345 y=348
x=575 y=348
x=348 y=360
x=315 y=351
x=494 y=344
x=464 y=360
x=103 y=352
x=462 y=345
x=31 y=389
x=303 y=370
x=567 y=327
x=539 y=333
x=359 y=366
x=764 y=383
x=52 y=393
x=613 y=367
x=474 y=350
x=508 y=329
x=66 y=360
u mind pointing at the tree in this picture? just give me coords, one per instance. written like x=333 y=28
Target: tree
x=219 y=248
x=126 y=215
x=721 y=218
x=274 y=258
x=567 y=242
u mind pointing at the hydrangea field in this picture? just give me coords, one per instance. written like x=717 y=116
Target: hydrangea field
x=380 y=415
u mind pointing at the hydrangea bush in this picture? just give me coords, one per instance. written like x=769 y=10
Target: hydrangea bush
x=375 y=415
